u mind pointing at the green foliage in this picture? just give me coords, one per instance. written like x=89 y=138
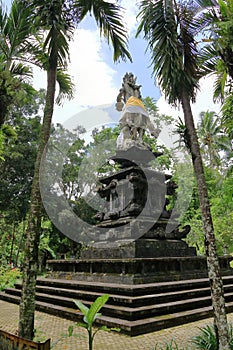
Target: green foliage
x=15 y=29
x=222 y=210
x=39 y=336
x=45 y=239
x=227 y=112
x=17 y=166
x=54 y=244
x=8 y=277
x=8 y=90
x=11 y=241
x=207 y=338
x=173 y=52
x=159 y=119
x=217 y=153
x=214 y=143
x=66 y=87
x=220 y=194
x=109 y=21
x=181 y=130
x=217 y=56
x=170 y=346
x=90 y=315
x=105 y=134
x=7 y=132
x=100 y=150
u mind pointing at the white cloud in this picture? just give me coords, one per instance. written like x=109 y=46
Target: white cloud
x=205 y=98
x=93 y=78
x=165 y=108
x=130 y=14
x=204 y=101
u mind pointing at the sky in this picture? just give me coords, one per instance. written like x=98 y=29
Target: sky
x=97 y=79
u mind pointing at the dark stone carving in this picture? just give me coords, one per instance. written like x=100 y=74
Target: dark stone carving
x=136 y=246
x=136 y=189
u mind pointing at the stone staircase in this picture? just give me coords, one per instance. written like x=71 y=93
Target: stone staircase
x=135 y=309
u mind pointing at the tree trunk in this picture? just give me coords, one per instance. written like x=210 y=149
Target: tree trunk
x=214 y=273
x=30 y=267
x=11 y=262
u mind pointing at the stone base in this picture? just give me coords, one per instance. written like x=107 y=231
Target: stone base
x=141 y=248
x=135 y=271
x=135 y=155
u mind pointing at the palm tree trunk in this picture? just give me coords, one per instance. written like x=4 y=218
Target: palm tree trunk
x=214 y=273
x=30 y=268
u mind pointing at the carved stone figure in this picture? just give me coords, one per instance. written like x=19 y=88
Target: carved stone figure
x=129 y=88
x=135 y=120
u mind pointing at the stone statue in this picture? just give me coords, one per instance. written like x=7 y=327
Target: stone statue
x=134 y=120
x=129 y=88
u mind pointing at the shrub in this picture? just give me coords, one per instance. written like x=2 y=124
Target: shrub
x=8 y=277
x=207 y=339
x=170 y=346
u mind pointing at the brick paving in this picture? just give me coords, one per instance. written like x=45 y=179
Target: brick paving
x=48 y=326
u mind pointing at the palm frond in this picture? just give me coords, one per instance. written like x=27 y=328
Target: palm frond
x=208 y=59
x=227 y=112
x=20 y=70
x=110 y=22
x=54 y=23
x=219 y=86
x=169 y=31
x=66 y=87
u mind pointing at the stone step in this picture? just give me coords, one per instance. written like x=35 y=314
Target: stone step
x=128 y=313
x=129 y=289
x=131 y=328
x=136 y=309
x=126 y=289
x=125 y=299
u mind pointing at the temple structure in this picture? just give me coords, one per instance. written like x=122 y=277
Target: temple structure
x=136 y=196
x=137 y=251
x=131 y=241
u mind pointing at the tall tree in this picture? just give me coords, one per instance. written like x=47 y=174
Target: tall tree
x=15 y=33
x=58 y=18
x=212 y=138
x=169 y=27
x=217 y=56
x=16 y=169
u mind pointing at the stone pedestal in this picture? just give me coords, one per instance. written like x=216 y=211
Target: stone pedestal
x=135 y=271
x=141 y=248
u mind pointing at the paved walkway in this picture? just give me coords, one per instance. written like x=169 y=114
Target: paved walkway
x=48 y=326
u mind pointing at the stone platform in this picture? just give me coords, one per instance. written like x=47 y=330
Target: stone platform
x=135 y=270
x=141 y=248
x=135 y=309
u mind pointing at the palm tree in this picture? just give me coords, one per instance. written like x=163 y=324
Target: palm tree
x=169 y=28
x=19 y=46
x=217 y=56
x=18 y=54
x=218 y=20
x=58 y=18
x=212 y=138
x=15 y=34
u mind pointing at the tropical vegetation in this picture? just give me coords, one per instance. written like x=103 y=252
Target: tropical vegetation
x=187 y=41
x=171 y=29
